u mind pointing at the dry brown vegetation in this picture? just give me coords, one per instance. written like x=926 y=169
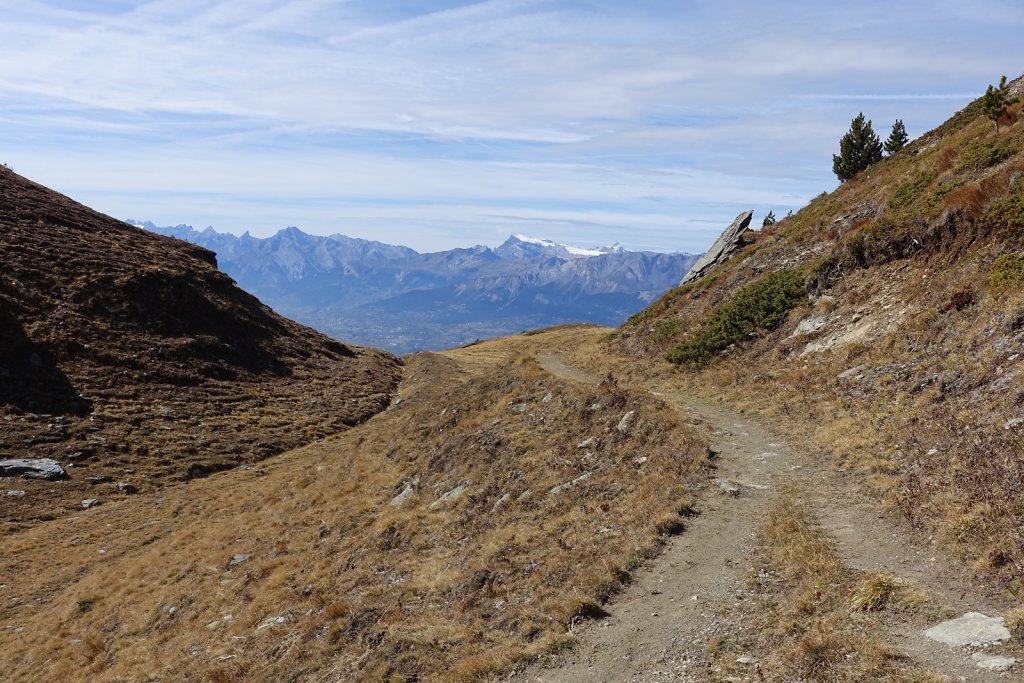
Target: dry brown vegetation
x=362 y=557
x=818 y=621
x=906 y=361
x=128 y=357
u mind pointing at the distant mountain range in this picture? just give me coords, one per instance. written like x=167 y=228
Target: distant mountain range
x=396 y=298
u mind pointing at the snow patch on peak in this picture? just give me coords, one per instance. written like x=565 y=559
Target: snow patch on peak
x=575 y=251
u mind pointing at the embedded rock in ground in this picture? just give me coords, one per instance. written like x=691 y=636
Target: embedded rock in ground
x=239 y=559
x=626 y=422
x=406 y=493
x=274 y=621
x=727 y=487
x=974 y=629
x=449 y=496
x=569 y=484
x=992 y=662
x=725 y=246
x=38 y=468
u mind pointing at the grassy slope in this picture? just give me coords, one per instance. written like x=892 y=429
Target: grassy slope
x=915 y=272
x=363 y=589
x=128 y=357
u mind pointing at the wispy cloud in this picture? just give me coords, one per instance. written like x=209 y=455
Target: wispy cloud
x=407 y=117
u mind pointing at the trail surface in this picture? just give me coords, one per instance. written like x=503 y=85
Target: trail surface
x=661 y=627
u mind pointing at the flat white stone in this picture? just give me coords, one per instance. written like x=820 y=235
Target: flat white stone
x=993 y=662
x=973 y=628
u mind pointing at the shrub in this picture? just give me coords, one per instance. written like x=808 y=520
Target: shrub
x=666 y=329
x=984 y=153
x=1007 y=271
x=1006 y=216
x=908 y=192
x=760 y=305
x=958 y=301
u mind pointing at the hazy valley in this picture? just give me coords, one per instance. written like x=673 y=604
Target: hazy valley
x=397 y=299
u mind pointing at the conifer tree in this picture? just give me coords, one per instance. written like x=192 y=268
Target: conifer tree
x=995 y=101
x=858 y=149
x=898 y=138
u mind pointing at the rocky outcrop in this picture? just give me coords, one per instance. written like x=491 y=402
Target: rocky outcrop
x=728 y=243
x=32 y=468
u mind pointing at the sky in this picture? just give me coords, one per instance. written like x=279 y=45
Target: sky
x=438 y=124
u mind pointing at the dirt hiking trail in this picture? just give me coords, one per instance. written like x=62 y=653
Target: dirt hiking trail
x=659 y=628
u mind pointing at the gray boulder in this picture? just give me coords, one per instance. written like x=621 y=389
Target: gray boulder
x=37 y=468
x=974 y=629
x=725 y=246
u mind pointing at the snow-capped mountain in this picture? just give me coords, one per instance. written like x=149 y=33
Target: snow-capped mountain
x=401 y=300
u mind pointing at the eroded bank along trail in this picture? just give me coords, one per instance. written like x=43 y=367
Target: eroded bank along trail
x=697 y=592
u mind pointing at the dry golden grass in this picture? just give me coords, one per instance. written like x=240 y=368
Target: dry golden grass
x=909 y=264
x=341 y=584
x=1014 y=620
x=818 y=625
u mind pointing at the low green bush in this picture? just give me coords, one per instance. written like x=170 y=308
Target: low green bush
x=666 y=329
x=760 y=305
x=910 y=191
x=984 y=153
x=1007 y=271
x=1006 y=216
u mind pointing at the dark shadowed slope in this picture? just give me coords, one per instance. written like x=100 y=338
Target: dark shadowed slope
x=128 y=357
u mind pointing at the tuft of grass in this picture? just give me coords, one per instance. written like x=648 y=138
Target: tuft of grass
x=1014 y=621
x=759 y=306
x=85 y=606
x=876 y=591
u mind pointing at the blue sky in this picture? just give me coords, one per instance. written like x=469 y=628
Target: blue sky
x=438 y=124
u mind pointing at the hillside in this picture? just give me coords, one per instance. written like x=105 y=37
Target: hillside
x=885 y=322
x=132 y=361
x=447 y=538
x=803 y=465
x=395 y=298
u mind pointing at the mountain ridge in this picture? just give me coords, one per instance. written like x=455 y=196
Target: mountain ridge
x=395 y=297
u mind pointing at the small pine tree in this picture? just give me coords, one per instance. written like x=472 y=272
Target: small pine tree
x=898 y=138
x=768 y=220
x=995 y=101
x=858 y=149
